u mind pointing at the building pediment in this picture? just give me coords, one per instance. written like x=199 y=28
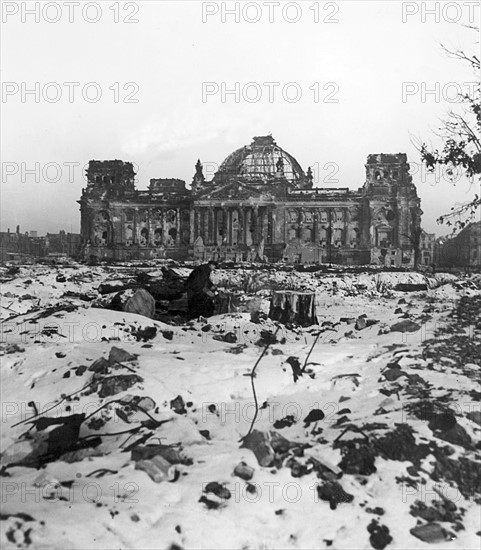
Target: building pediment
x=240 y=191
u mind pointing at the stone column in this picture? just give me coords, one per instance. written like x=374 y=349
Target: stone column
x=210 y=225
x=177 y=226
x=134 y=228
x=274 y=225
x=164 y=226
x=215 y=227
x=226 y=220
x=240 y=231
x=198 y=222
x=255 y=236
x=315 y=226
x=192 y=226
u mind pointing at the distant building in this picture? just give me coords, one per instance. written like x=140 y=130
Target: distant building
x=67 y=244
x=260 y=203
x=427 y=245
x=26 y=247
x=463 y=250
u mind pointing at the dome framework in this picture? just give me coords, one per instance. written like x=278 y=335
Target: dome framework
x=264 y=161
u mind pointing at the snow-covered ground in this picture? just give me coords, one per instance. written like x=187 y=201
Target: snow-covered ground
x=81 y=484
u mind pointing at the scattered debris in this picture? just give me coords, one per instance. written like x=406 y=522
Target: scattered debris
x=380 y=536
x=244 y=471
x=432 y=533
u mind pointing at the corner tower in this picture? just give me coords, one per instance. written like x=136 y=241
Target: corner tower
x=393 y=208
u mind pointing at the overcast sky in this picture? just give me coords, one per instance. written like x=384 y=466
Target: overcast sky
x=338 y=70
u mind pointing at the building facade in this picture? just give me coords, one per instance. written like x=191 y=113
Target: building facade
x=463 y=250
x=260 y=204
x=427 y=246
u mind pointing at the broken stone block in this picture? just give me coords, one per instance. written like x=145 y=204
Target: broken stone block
x=298 y=469
x=376 y=510
x=136 y=401
x=244 y=471
x=117 y=285
x=430 y=532
x=405 y=326
x=456 y=435
x=442 y=421
x=475 y=416
x=316 y=415
x=285 y=422
x=13 y=348
x=114 y=300
x=79 y=371
x=167 y=452
x=380 y=536
x=258 y=442
x=325 y=470
x=258 y=316
x=146 y=333
x=360 y=323
x=393 y=374
x=157 y=468
x=116 y=384
x=348 y=320
x=358 y=457
x=178 y=405
x=119 y=355
x=332 y=492
x=229 y=337
x=218 y=490
x=100 y=365
x=211 y=504
x=411 y=287
x=279 y=443
x=141 y=303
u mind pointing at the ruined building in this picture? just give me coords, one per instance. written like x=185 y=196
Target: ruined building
x=260 y=204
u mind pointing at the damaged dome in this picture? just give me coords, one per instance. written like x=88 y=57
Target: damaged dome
x=262 y=160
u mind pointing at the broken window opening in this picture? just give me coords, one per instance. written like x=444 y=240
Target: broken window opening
x=173 y=234
x=144 y=237
x=158 y=236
